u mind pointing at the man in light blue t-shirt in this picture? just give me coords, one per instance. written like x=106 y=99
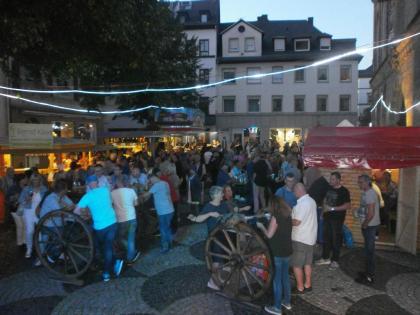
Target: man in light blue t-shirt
x=286 y=191
x=98 y=201
x=164 y=208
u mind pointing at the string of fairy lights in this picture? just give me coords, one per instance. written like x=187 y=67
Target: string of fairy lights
x=195 y=87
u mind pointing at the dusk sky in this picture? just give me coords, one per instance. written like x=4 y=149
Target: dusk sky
x=340 y=18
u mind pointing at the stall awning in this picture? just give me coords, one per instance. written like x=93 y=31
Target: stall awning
x=363 y=147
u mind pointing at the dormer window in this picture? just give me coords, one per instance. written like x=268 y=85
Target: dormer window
x=250 y=44
x=204 y=17
x=279 y=44
x=325 y=43
x=233 y=45
x=302 y=44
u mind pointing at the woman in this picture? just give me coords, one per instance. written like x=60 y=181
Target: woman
x=29 y=199
x=209 y=213
x=230 y=202
x=280 y=241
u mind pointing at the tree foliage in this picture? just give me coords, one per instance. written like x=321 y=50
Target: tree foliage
x=108 y=44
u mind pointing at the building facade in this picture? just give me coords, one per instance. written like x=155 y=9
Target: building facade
x=283 y=106
x=364 y=96
x=396 y=77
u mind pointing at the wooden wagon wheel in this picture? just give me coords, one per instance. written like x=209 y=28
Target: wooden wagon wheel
x=64 y=243
x=239 y=260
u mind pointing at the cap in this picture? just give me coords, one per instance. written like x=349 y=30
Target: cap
x=91 y=179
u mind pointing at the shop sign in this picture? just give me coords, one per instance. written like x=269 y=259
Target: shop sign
x=30 y=134
x=180 y=117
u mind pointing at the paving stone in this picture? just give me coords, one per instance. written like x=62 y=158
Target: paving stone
x=400 y=258
x=29 y=284
x=404 y=289
x=191 y=234
x=376 y=305
x=166 y=287
x=200 y=304
x=118 y=296
x=197 y=250
x=33 y=306
x=154 y=262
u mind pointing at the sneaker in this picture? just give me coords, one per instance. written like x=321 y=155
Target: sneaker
x=286 y=306
x=118 y=267
x=366 y=280
x=136 y=257
x=37 y=263
x=272 y=310
x=307 y=289
x=296 y=291
x=50 y=260
x=323 y=262
x=106 y=277
x=212 y=285
x=334 y=265
x=28 y=254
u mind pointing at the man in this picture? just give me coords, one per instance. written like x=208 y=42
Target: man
x=101 y=178
x=98 y=201
x=304 y=231
x=125 y=200
x=164 y=208
x=261 y=172
x=286 y=191
x=336 y=203
x=368 y=214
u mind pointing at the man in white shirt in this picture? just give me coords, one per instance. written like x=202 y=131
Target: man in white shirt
x=125 y=200
x=304 y=233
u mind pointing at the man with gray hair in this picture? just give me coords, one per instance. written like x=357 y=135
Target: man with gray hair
x=368 y=214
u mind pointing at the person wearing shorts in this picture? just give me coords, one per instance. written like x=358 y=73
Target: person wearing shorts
x=304 y=233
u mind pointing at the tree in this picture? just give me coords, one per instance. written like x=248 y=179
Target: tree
x=108 y=44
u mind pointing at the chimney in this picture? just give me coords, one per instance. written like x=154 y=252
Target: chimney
x=311 y=21
x=263 y=18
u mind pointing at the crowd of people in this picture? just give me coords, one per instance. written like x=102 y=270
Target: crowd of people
x=118 y=192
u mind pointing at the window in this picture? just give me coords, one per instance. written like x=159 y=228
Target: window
x=250 y=44
x=233 y=44
x=253 y=71
x=302 y=45
x=299 y=103
x=321 y=103
x=322 y=74
x=325 y=43
x=279 y=44
x=345 y=73
x=254 y=104
x=204 y=76
x=277 y=78
x=182 y=18
x=229 y=104
x=204 y=18
x=299 y=75
x=203 y=47
x=229 y=74
x=277 y=103
x=344 y=103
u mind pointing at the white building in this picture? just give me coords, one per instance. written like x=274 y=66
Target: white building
x=282 y=106
x=364 y=94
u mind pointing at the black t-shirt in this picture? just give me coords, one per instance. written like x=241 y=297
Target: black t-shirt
x=261 y=173
x=281 y=242
x=318 y=190
x=211 y=221
x=336 y=198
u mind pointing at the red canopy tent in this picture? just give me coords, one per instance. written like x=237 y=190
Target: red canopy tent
x=362 y=147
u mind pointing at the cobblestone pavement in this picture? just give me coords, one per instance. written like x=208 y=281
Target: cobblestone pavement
x=176 y=283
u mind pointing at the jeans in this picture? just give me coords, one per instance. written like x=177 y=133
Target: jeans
x=333 y=238
x=105 y=239
x=281 y=281
x=165 y=230
x=369 y=235
x=127 y=237
x=320 y=232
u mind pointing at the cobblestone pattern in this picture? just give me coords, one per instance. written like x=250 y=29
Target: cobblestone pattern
x=404 y=289
x=200 y=304
x=334 y=291
x=191 y=234
x=40 y=305
x=400 y=258
x=173 y=284
x=197 y=250
x=120 y=296
x=376 y=305
x=29 y=284
x=154 y=262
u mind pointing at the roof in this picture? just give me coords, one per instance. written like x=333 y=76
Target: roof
x=193 y=10
x=290 y=30
x=362 y=147
x=366 y=73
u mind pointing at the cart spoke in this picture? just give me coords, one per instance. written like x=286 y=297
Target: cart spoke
x=238 y=241
x=219 y=255
x=79 y=245
x=251 y=291
x=256 y=252
x=229 y=240
x=253 y=276
x=73 y=261
x=221 y=245
x=78 y=254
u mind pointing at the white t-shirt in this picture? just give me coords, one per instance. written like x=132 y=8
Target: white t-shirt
x=124 y=200
x=305 y=211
